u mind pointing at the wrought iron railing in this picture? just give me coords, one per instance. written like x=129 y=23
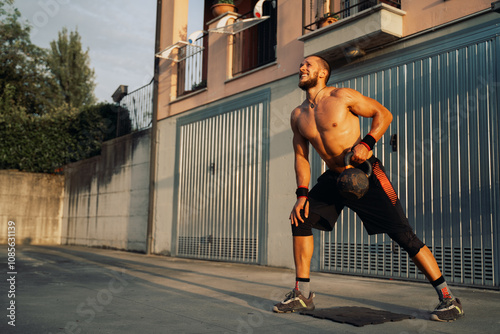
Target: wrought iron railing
x=339 y=9
x=139 y=104
x=191 y=69
x=255 y=46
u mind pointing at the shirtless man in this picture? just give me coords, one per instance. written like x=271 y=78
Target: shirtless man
x=329 y=120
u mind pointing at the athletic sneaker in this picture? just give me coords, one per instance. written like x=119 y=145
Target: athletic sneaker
x=294 y=302
x=448 y=310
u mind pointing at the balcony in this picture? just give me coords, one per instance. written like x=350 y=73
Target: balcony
x=256 y=46
x=251 y=39
x=359 y=28
x=191 y=69
x=234 y=44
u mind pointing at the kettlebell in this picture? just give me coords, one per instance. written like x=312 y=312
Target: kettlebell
x=353 y=182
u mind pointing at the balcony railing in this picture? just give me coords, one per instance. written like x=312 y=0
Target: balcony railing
x=255 y=46
x=338 y=9
x=191 y=69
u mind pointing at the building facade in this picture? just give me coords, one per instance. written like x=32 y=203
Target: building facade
x=222 y=159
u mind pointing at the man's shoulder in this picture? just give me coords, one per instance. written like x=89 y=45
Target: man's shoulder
x=296 y=113
x=345 y=95
x=298 y=109
x=342 y=91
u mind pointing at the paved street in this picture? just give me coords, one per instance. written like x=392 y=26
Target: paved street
x=63 y=289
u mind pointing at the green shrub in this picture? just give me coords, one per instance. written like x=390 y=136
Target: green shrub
x=46 y=143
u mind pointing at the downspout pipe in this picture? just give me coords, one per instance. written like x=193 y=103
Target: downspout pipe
x=154 y=138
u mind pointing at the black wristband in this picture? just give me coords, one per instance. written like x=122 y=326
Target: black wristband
x=302 y=192
x=369 y=141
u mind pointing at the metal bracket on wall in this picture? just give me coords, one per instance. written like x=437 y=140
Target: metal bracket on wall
x=394 y=142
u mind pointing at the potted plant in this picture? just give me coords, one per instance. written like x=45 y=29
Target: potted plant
x=223 y=6
x=326 y=20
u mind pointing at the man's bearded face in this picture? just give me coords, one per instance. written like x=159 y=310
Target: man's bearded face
x=308 y=80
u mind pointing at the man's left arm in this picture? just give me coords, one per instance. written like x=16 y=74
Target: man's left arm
x=381 y=119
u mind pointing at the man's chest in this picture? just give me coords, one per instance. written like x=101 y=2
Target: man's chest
x=321 y=120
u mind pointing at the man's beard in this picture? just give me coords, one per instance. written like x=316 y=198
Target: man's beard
x=309 y=83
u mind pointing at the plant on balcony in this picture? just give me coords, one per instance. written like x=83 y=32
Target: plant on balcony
x=220 y=7
x=199 y=85
x=327 y=19
x=324 y=16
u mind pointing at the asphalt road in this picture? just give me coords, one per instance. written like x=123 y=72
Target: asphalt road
x=64 y=289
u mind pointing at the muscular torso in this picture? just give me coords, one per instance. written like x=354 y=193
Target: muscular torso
x=330 y=127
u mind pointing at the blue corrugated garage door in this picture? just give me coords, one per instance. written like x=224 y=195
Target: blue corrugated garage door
x=444 y=97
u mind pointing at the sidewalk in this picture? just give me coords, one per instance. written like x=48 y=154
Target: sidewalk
x=85 y=290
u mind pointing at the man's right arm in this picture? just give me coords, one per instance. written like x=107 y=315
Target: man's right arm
x=302 y=170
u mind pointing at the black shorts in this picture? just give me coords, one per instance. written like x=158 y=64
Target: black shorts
x=379 y=209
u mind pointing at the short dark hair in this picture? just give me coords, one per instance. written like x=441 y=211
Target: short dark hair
x=324 y=65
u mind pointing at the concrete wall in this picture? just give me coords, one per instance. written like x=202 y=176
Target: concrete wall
x=34 y=203
x=424 y=14
x=106 y=197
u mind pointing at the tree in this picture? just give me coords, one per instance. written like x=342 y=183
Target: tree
x=70 y=67
x=22 y=65
x=47 y=113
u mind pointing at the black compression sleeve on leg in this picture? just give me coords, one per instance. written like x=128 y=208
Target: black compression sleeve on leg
x=408 y=241
x=305 y=229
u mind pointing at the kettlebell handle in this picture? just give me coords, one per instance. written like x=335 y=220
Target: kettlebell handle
x=347 y=162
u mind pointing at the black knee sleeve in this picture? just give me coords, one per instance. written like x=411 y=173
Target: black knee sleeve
x=408 y=241
x=305 y=229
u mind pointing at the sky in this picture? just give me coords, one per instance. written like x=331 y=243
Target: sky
x=195 y=16
x=120 y=36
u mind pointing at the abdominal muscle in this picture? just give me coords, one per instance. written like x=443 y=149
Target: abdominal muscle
x=334 y=159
